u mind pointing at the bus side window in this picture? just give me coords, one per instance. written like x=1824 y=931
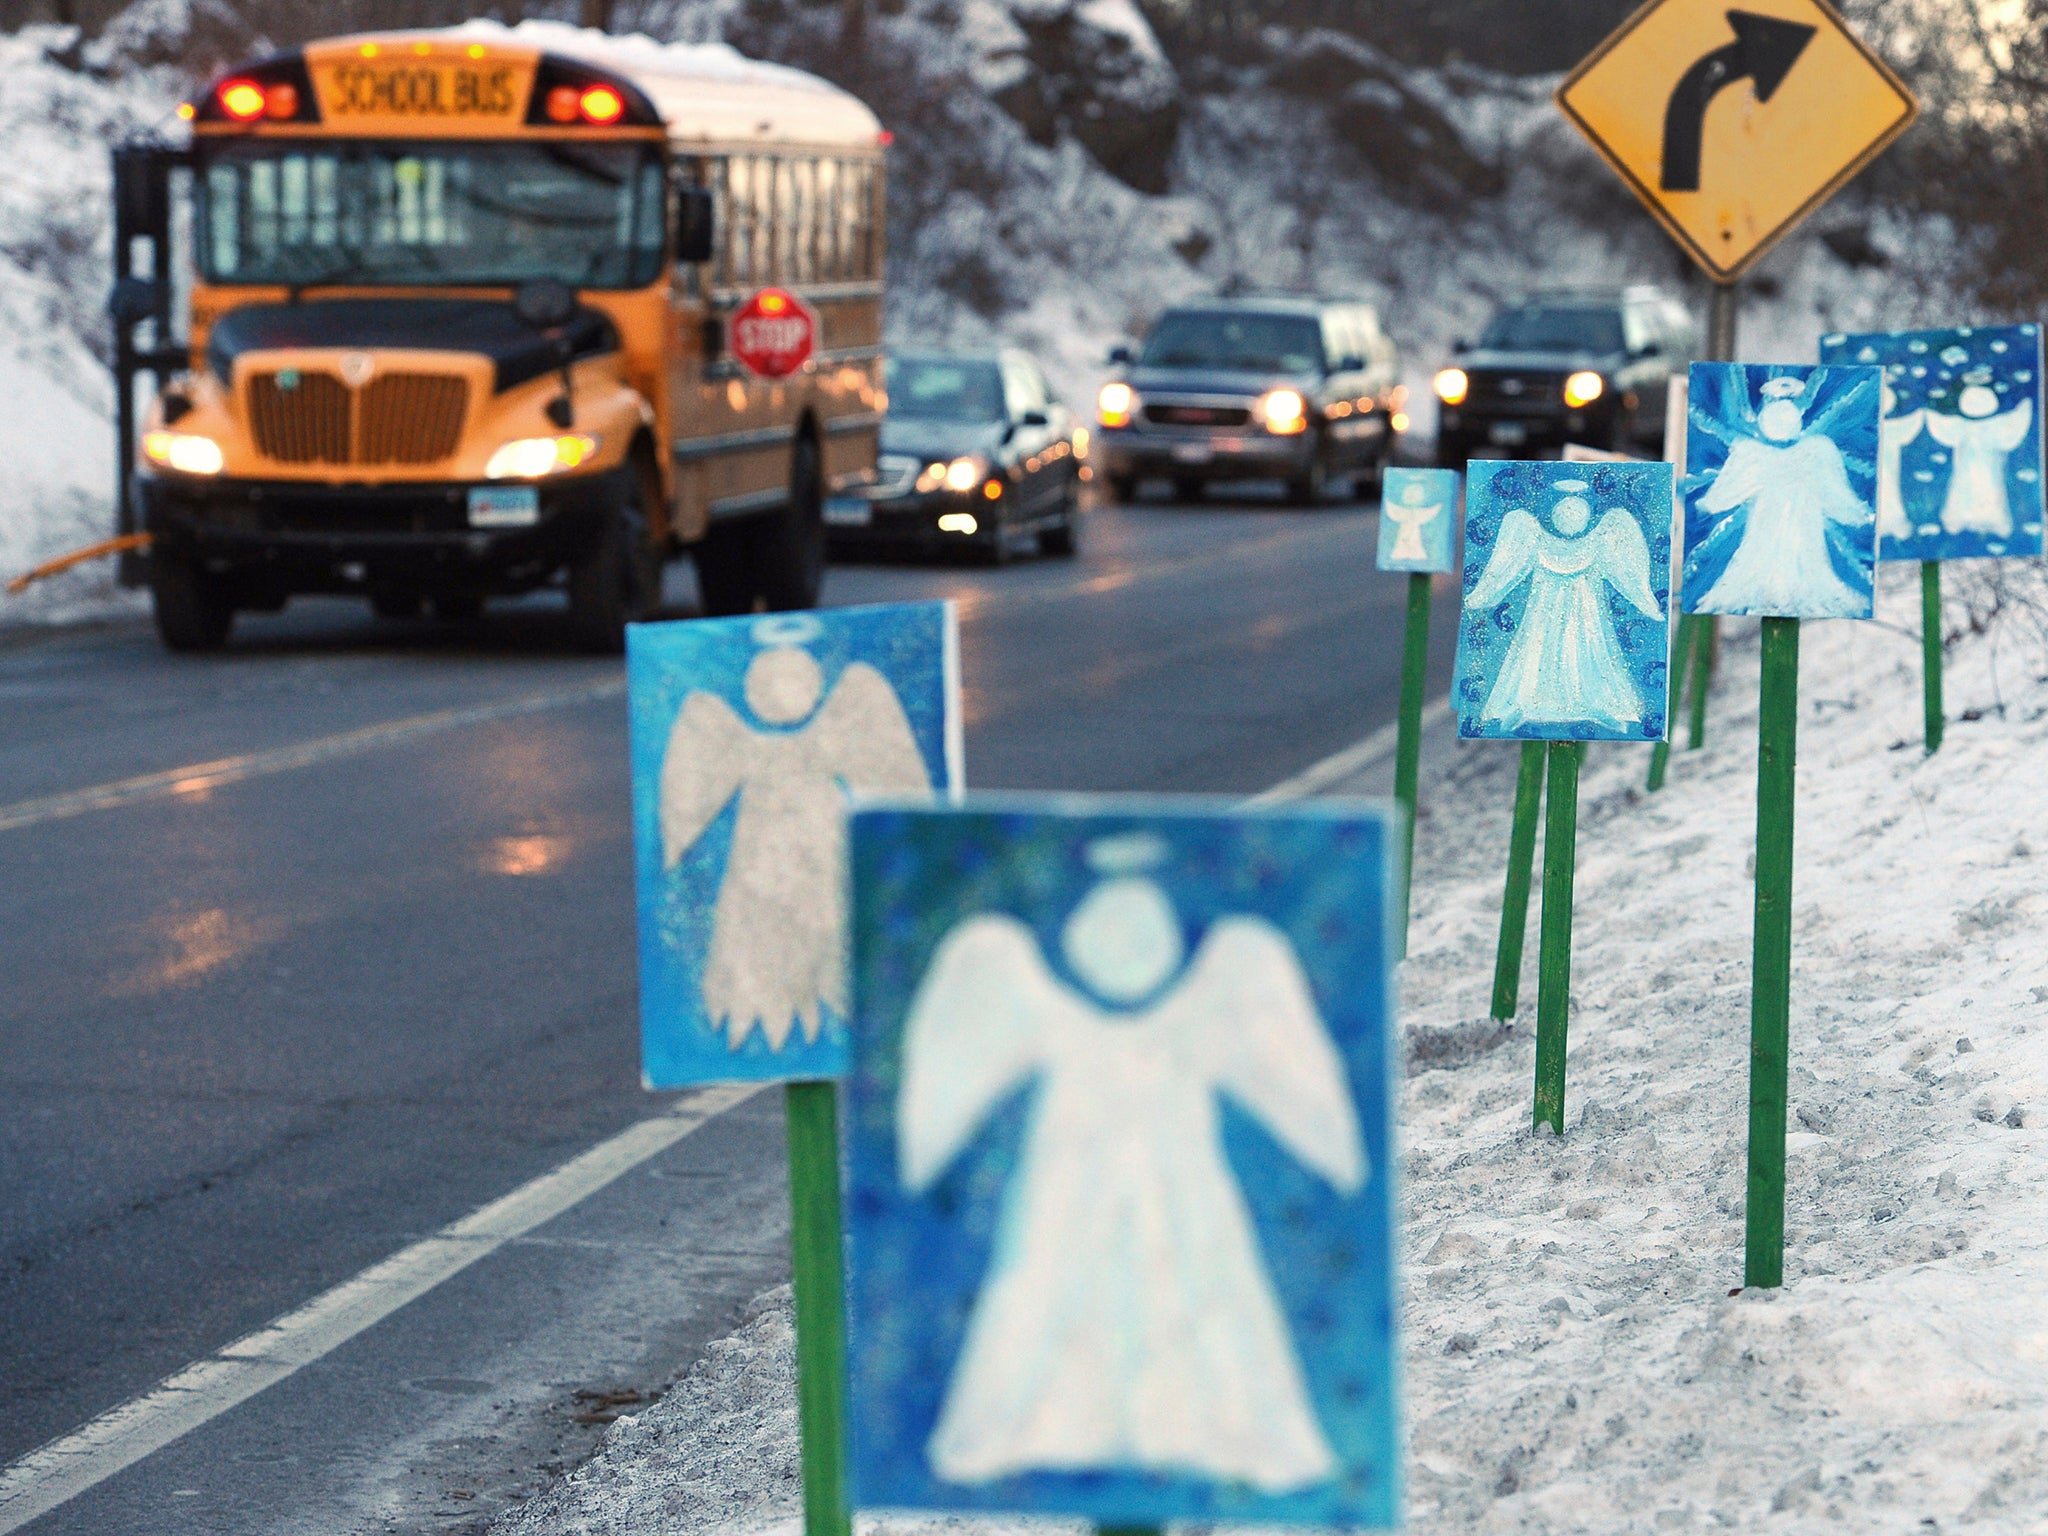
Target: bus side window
x=831 y=248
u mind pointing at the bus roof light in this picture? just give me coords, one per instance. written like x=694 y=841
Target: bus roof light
x=281 y=101
x=564 y=104
x=241 y=99
x=602 y=105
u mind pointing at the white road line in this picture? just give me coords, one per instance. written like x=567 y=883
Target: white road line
x=232 y=770
x=207 y=1388
x=1339 y=766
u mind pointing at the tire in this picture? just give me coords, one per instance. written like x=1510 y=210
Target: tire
x=1308 y=488
x=724 y=561
x=1062 y=539
x=792 y=541
x=456 y=607
x=1123 y=489
x=193 y=611
x=387 y=604
x=618 y=580
x=1452 y=453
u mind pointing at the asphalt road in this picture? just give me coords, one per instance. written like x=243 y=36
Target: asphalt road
x=265 y=1025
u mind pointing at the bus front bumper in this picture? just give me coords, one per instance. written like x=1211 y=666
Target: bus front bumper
x=298 y=536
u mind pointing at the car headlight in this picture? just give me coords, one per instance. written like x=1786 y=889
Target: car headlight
x=1283 y=411
x=186 y=452
x=528 y=458
x=1452 y=386
x=965 y=472
x=1583 y=389
x=1117 y=404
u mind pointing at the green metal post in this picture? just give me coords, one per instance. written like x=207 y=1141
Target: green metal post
x=1408 y=737
x=1514 y=902
x=812 y=1113
x=1706 y=645
x=1554 y=955
x=1681 y=658
x=1930 y=647
x=1771 y=980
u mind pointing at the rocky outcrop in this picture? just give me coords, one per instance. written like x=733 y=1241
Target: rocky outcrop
x=1413 y=145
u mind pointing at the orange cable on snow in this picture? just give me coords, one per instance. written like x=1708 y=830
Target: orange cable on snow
x=98 y=551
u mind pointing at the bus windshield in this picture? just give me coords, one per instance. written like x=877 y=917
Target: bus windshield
x=377 y=212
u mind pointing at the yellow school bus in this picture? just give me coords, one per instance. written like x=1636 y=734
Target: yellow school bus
x=460 y=310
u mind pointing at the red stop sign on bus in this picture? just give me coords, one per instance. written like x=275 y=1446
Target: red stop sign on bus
x=773 y=333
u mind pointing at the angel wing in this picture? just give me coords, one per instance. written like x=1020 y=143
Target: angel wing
x=863 y=736
x=1899 y=431
x=1626 y=560
x=1740 y=477
x=1513 y=558
x=976 y=1030
x=1825 y=483
x=1262 y=1041
x=2009 y=430
x=709 y=752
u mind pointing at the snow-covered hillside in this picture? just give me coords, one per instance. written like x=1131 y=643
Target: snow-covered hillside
x=1056 y=181
x=1575 y=1361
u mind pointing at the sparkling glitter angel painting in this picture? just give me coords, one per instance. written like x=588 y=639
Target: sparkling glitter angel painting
x=1780 y=491
x=1960 y=444
x=1102 y=1315
x=749 y=735
x=1566 y=611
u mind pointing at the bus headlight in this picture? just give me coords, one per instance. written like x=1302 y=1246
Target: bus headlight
x=1583 y=389
x=528 y=458
x=1283 y=411
x=1452 y=386
x=185 y=452
x=1117 y=403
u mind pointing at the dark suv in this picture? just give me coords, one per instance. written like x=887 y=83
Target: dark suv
x=1591 y=367
x=1305 y=391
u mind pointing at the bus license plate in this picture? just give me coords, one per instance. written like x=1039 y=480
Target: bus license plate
x=848 y=512
x=1508 y=434
x=504 y=506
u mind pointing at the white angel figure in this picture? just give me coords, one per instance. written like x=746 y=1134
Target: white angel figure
x=1982 y=438
x=1792 y=485
x=778 y=929
x=1894 y=435
x=1564 y=666
x=1127 y=1320
x=1412 y=516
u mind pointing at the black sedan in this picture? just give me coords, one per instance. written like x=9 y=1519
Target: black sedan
x=976 y=456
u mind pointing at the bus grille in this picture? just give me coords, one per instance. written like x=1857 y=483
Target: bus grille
x=398 y=418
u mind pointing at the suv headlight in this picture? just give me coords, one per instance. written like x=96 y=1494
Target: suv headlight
x=528 y=458
x=1117 y=404
x=1583 y=389
x=1452 y=386
x=186 y=452
x=1283 y=411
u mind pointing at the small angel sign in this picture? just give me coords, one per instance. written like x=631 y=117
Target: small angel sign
x=1418 y=520
x=1120 y=1177
x=1566 y=629
x=748 y=736
x=1780 y=491
x=1959 y=439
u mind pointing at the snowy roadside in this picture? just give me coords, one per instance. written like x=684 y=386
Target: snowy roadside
x=1575 y=1361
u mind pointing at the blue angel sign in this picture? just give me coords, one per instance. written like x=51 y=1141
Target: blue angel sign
x=1121 y=1176
x=748 y=735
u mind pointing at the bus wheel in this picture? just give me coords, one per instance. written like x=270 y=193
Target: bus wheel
x=724 y=560
x=193 y=611
x=792 y=545
x=618 y=582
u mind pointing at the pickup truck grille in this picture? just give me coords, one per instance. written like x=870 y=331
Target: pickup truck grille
x=397 y=418
x=1198 y=415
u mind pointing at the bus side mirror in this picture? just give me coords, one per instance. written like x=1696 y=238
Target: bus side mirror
x=714 y=338
x=696 y=224
x=133 y=300
x=1121 y=357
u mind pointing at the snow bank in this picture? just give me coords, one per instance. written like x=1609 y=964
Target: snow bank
x=56 y=433
x=1575 y=1362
